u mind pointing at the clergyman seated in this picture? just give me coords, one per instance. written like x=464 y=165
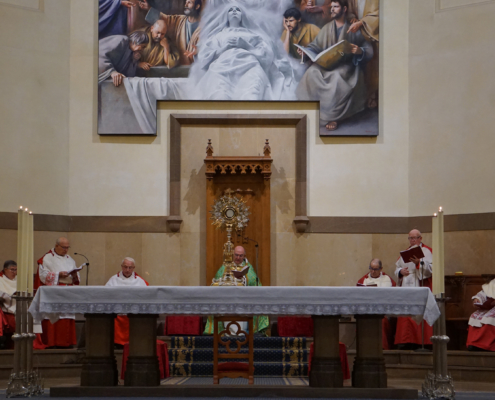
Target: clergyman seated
x=260 y=322
x=376 y=277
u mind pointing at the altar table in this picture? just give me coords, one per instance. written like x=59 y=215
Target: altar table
x=100 y=304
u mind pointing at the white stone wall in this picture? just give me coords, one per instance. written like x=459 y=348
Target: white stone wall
x=434 y=148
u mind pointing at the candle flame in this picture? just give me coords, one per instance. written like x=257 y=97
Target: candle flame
x=435 y=214
x=30 y=213
x=20 y=208
x=26 y=209
x=440 y=209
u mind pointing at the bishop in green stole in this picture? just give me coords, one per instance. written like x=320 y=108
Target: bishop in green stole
x=260 y=322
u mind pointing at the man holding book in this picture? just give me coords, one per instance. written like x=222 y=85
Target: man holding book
x=377 y=278
x=336 y=78
x=414 y=269
x=8 y=286
x=245 y=271
x=57 y=268
x=125 y=278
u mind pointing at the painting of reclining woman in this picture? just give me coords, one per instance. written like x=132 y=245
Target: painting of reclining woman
x=241 y=50
x=240 y=61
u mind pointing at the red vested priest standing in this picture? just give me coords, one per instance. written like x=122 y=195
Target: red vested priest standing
x=53 y=270
x=8 y=286
x=127 y=277
x=415 y=273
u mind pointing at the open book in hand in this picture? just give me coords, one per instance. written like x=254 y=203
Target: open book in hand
x=241 y=273
x=372 y=285
x=329 y=56
x=414 y=251
x=77 y=269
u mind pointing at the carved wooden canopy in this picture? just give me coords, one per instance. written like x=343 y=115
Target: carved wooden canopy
x=238 y=165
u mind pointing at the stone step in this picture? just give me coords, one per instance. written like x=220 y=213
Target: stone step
x=469 y=374
x=51 y=356
x=271 y=343
x=51 y=363
x=260 y=355
x=454 y=358
x=394 y=371
x=272 y=369
x=463 y=365
x=49 y=371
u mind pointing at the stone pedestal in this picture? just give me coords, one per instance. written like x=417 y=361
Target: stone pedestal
x=369 y=364
x=99 y=366
x=326 y=369
x=142 y=365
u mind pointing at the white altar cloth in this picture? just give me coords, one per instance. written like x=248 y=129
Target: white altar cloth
x=51 y=301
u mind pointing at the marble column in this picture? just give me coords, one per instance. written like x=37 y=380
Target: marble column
x=142 y=365
x=369 y=364
x=99 y=366
x=326 y=369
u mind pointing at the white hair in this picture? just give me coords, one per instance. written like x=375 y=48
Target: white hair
x=60 y=239
x=129 y=259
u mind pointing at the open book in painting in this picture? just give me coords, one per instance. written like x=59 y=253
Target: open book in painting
x=328 y=57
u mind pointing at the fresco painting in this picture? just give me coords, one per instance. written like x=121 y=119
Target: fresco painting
x=242 y=50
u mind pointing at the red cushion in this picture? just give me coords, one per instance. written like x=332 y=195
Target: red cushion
x=182 y=325
x=295 y=326
x=233 y=366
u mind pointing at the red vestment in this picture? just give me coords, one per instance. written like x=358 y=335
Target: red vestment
x=482 y=337
x=408 y=331
x=482 y=322
x=63 y=332
x=7 y=323
x=121 y=324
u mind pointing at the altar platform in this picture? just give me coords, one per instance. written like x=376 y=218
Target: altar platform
x=324 y=304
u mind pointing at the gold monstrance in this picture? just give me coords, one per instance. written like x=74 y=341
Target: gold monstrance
x=230 y=212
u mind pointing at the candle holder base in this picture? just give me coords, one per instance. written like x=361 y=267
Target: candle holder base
x=422 y=350
x=17 y=386
x=439 y=383
x=35 y=384
x=438 y=387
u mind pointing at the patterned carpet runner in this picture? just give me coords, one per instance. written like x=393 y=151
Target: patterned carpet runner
x=273 y=357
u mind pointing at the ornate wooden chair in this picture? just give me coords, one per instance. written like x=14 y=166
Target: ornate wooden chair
x=233 y=369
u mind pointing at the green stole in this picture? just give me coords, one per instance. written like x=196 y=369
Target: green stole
x=260 y=322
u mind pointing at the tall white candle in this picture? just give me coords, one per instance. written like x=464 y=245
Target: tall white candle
x=20 y=214
x=25 y=260
x=436 y=253
x=441 y=274
x=30 y=266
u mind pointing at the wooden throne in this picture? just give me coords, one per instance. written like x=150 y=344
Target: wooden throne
x=248 y=177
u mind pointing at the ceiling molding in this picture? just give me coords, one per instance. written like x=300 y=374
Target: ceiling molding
x=450 y=5
x=31 y=5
